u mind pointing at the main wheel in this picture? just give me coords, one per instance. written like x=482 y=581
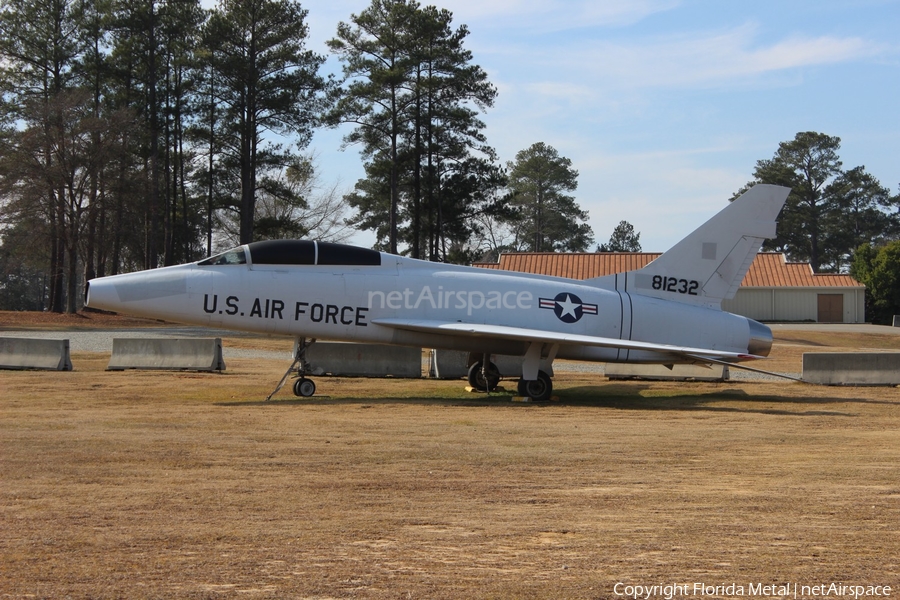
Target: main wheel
x=304 y=387
x=538 y=389
x=477 y=378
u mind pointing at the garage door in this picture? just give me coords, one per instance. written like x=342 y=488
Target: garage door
x=831 y=308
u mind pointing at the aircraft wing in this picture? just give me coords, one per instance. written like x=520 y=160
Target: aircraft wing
x=555 y=337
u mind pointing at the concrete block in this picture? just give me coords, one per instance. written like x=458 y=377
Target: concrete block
x=896 y=320
x=365 y=360
x=34 y=353
x=453 y=364
x=190 y=354
x=851 y=368
x=663 y=373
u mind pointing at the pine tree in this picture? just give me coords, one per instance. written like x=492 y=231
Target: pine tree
x=266 y=81
x=623 y=239
x=548 y=219
x=411 y=92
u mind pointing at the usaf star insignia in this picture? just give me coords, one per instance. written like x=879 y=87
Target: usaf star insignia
x=568 y=308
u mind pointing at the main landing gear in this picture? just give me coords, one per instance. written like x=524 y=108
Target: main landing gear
x=539 y=389
x=485 y=376
x=303 y=387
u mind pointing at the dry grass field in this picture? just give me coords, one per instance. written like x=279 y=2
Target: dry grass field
x=184 y=485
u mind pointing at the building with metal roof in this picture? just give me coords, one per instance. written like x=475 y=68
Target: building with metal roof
x=773 y=289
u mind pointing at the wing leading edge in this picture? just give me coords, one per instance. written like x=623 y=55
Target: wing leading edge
x=554 y=337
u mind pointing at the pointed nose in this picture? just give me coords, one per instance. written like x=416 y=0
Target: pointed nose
x=156 y=293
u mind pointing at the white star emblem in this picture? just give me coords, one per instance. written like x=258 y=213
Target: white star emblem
x=568 y=307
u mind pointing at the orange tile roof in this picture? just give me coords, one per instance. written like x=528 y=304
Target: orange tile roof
x=769 y=269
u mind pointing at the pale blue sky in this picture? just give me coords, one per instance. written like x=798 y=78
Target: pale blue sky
x=664 y=106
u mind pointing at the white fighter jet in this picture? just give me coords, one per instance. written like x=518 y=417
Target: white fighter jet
x=667 y=312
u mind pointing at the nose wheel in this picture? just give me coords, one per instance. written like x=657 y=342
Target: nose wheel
x=303 y=387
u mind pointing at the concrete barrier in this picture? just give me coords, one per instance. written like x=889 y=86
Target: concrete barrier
x=453 y=364
x=851 y=368
x=34 y=353
x=896 y=320
x=189 y=354
x=364 y=360
x=663 y=373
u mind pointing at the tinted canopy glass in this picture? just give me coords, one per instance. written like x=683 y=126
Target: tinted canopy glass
x=232 y=257
x=304 y=252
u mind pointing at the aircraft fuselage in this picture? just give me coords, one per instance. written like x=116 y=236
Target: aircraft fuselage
x=345 y=303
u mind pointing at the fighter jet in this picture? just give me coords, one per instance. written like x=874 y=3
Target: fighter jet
x=665 y=313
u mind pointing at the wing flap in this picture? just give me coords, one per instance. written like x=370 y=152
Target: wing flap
x=555 y=337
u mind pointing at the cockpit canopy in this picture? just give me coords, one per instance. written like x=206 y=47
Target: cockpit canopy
x=235 y=256
x=297 y=252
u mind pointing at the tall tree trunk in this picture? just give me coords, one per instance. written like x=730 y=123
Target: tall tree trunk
x=395 y=194
x=152 y=260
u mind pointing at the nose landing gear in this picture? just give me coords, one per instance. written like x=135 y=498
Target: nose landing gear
x=303 y=387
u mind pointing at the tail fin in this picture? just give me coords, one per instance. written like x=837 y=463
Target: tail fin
x=708 y=265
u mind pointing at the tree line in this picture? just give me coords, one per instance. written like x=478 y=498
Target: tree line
x=134 y=131
x=839 y=220
x=830 y=211
x=140 y=133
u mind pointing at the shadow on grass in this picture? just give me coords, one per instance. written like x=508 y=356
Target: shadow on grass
x=621 y=396
x=800 y=341
x=631 y=397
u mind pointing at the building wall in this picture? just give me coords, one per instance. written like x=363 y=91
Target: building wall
x=754 y=303
x=793 y=304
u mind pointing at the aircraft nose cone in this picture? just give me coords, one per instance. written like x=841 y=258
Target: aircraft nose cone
x=760 y=339
x=145 y=293
x=99 y=293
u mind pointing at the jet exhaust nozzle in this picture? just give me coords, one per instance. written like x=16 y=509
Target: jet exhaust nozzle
x=760 y=339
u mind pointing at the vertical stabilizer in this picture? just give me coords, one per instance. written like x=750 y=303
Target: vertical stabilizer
x=708 y=265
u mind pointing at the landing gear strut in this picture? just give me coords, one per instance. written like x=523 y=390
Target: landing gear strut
x=302 y=387
x=484 y=375
x=536 y=384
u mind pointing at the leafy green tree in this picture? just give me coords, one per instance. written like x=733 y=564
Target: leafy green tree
x=136 y=56
x=180 y=23
x=453 y=167
x=93 y=67
x=623 y=239
x=62 y=159
x=879 y=270
x=377 y=55
x=267 y=81
x=858 y=216
x=411 y=92
x=39 y=48
x=23 y=284
x=806 y=164
x=296 y=205
x=547 y=218
x=829 y=211
x=473 y=189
